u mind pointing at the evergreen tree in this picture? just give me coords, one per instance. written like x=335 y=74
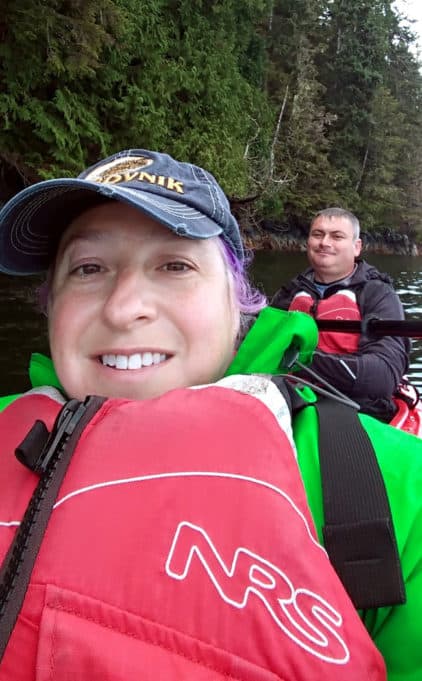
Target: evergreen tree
x=50 y=53
x=293 y=104
x=352 y=69
x=95 y=77
x=299 y=169
x=304 y=147
x=404 y=78
x=379 y=194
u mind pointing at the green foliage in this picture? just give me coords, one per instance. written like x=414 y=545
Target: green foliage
x=353 y=67
x=298 y=103
x=49 y=56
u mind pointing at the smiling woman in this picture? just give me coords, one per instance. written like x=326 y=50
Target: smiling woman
x=166 y=462
x=126 y=309
x=121 y=277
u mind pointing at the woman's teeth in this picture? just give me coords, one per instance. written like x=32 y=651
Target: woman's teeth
x=136 y=361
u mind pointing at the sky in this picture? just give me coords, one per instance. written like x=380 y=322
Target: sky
x=413 y=10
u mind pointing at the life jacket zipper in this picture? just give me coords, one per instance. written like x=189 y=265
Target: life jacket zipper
x=52 y=465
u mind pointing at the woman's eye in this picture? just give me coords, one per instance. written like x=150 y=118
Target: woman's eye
x=176 y=266
x=86 y=269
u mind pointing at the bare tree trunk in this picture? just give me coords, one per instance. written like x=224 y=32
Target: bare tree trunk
x=270 y=18
x=362 y=170
x=249 y=142
x=277 y=132
x=339 y=39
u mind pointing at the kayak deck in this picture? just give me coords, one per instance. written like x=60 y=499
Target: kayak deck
x=408 y=418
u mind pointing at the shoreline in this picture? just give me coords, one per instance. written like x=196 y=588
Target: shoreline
x=393 y=244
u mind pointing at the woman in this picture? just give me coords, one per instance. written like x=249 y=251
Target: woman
x=159 y=557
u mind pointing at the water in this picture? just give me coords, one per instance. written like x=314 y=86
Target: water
x=23 y=329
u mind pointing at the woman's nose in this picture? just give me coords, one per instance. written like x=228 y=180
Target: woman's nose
x=130 y=299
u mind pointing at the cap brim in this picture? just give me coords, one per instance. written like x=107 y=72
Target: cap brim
x=32 y=222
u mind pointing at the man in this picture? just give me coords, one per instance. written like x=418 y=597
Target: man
x=340 y=286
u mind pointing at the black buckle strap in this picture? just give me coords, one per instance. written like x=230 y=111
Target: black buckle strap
x=358 y=532
x=52 y=463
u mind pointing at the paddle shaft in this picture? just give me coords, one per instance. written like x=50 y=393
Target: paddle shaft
x=374 y=327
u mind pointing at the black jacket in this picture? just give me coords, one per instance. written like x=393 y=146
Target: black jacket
x=371 y=375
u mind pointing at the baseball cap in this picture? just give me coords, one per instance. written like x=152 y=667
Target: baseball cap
x=181 y=196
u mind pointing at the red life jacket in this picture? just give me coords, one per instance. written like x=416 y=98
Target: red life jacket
x=341 y=305
x=181 y=546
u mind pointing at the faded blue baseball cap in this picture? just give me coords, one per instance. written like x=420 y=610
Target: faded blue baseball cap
x=181 y=196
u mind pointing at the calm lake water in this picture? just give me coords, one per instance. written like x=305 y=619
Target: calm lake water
x=23 y=328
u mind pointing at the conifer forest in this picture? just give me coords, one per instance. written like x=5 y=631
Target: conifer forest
x=294 y=105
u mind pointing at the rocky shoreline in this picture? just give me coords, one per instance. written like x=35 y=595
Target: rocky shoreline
x=289 y=240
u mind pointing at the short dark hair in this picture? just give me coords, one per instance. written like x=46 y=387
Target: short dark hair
x=335 y=212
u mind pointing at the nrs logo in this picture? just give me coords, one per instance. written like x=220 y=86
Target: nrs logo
x=306 y=618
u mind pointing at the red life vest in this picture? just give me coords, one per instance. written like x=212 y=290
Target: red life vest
x=341 y=305
x=181 y=546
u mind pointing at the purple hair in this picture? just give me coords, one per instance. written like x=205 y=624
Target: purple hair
x=249 y=299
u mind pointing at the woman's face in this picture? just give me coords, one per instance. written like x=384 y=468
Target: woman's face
x=135 y=310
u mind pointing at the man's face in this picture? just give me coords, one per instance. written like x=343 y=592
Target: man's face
x=135 y=310
x=332 y=249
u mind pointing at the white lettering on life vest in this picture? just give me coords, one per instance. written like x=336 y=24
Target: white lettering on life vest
x=302 y=615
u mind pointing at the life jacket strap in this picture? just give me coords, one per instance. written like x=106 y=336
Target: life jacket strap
x=51 y=462
x=359 y=532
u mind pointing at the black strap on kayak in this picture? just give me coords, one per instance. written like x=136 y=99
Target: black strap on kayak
x=295 y=401
x=376 y=328
x=358 y=533
x=49 y=456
